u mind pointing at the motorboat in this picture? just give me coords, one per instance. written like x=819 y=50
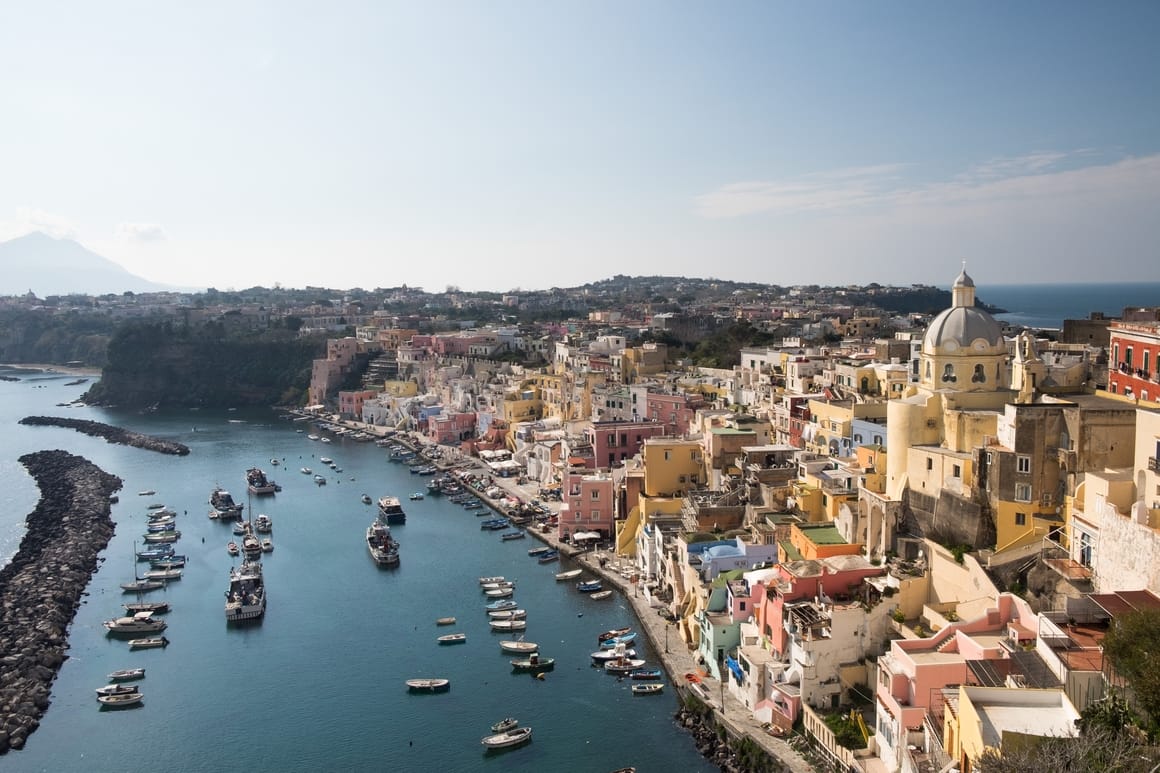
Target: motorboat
x=119 y=701
x=320 y=480
x=428 y=685
x=246 y=597
x=445 y=621
x=127 y=674
x=541 y=550
x=135 y=625
x=488 y=580
x=391 y=510
x=326 y=460
x=646 y=674
x=267 y=545
x=141 y=585
x=501 y=604
x=164 y=537
x=223 y=502
x=258 y=484
x=549 y=557
x=240 y=527
x=601 y=595
x=159 y=551
x=647 y=689
x=497 y=585
x=383 y=547
x=507 y=614
x=233 y=549
x=624 y=665
x=508 y=625
x=453 y=638
x=416 y=496
x=505 y=724
x=251 y=546
x=263 y=524
x=568 y=575
x=614 y=633
x=158 y=607
x=510 y=535
x=592 y=586
x=366 y=499
x=151 y=643
x=518 y=647
x=611 y=643
x=603 y=656
x=533 y=662
x=117 y=689
x=500 y=593
x=507 y=739
x=171 y=562
x=146 y=493
x=163 y=574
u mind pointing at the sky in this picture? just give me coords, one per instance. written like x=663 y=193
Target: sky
x=496 y=145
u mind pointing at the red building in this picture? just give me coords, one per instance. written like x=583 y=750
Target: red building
x=674 y=411
x=1134 y=367
x=615 y=441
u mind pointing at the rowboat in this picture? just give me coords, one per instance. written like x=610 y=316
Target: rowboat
x=508 y=625
x=533 y=662
x=486 y=580
x=499 y=593
x=505 y=725
x=445 y=621
x=518 y=647
x=601 y=595
x=138 y=644
x=647 y=689
x=501 y=604
x=507 y=739
x=428 y=685
x=614 y=633
x=507 y=614
x=568 y=575
x=126 y=674
x=453 y=638
x=645 y=674
x=541 y=550
x=121 y=700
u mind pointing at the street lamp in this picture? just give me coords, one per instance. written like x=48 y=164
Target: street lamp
x=667 y=637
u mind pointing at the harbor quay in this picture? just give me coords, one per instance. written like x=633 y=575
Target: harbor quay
x=686 y=676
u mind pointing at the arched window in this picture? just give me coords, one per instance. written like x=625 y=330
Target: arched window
x=928 y=368
x=979 y=377
x=949 y=373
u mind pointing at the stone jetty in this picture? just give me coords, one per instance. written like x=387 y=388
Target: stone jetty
x=110 y=433
x=41 y=588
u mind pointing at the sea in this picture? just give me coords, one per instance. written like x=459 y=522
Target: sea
x=1047 y=305
x=318 y=684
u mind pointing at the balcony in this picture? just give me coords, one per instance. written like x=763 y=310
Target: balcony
x=1153 y=464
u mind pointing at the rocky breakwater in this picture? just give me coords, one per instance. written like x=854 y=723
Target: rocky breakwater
x=110 y=433
x=41 y=588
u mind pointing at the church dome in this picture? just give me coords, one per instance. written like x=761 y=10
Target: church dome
x=963 y=329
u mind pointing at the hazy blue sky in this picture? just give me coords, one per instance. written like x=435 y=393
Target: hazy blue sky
x=496 y=145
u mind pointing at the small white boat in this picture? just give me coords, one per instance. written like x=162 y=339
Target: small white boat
x=518 y=647
x=453 y=638
x=428 y=685
x=507 y=739
x=623 y=665
x=600 y=595
x=263 y=524
x=325 y=459
x=233 y=549
x=416 y=496
x=505 y=724
x=307 y=471
x=499 y=593
x=117 y=689
x=366 y=499
x=141 y=644
x=497 y=585
x=267 y=545
x=141 y=585
x=125 y=674
x=647 y=689
x=320 y=480
x=163 y=574
x=533 y=662
x=146 y=493
x=568 y=575
x=445 y=621
x=508 y=625
x=507 y=614
x=486 y=580
x=124 y=699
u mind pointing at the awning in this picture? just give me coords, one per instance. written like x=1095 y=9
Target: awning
x=735 y=667
x=585 y=535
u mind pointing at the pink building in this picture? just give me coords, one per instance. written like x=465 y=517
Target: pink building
x=350 y=404
x=586 y=504
x=451 y=429
x=674 y=411
x=615 y=441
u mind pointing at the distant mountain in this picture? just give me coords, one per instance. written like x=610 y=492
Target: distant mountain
x=47 y=266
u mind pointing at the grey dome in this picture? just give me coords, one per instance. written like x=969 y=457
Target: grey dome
x=963 y=325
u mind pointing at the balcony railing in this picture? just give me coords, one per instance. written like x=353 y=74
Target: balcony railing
x=1153 y=464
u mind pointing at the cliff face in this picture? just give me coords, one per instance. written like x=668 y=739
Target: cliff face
x=158 y=365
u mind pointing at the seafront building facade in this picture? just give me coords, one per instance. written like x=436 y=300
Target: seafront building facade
x=792 y=515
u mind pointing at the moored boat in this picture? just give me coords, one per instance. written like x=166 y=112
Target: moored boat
x=391 y=510
x=246 y=597
x=499 y=593
x=164 y=537
x=541 y=550
x=568 y=575
x=601 y=595
x=488 y=580
x=519 y=647
x=121 y=700
x=135 y=625
x=258 y=483
x=647 y=689
x=141 y=585
x=626 y=639
x=233 y=549
x=551 y=555
x=163 y=574
x=263 y=524
x=428 y=685
x=614 y=633
x=623 y=665
x=508 y=625
x=591 y=586
x=117 y=689
x=223 y=502
x=453 y=638
x=507 y=739
x=384 y=549
x=126 y=674
x=507 y=614
x=603 y=656
x=445 y=621
x=505 y=724
x=150 y=643
x=511 y=535
x=646 y=673
x=158 y=607
x=267 y=545
x=501 y=604
x=533 y=662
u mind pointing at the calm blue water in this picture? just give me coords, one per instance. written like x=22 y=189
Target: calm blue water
x=1047 y=305
x=318 y=685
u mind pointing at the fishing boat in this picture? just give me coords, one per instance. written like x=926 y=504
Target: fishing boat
x=453 y=638
x=611 y=643
x=533 y=662
x=127 y=674
x=623 y=665
x=646 y=674
x=428 y=685
x=158 y=551
x=158 y=607
x=172 y=562
x=164 y=537
x=614 y=633
x=541 y=550
x=223 y=502
x=163 y=574
x=549 y=557
x=246 y=596
x=117 y=689
x=499 y=593
x=263 y=524
x=384 y=549
x=445 y=621
x=507 y=614
x=151 y=643
x=497 y=585
x=258 y=484
x=505 y=724
x=120 y=701
x=568 y=575
x=601 y=595
x=489 y=580
x=518 y=647
x=647 y=689
x=508 y=739
x=591 y=586
x=603 y=656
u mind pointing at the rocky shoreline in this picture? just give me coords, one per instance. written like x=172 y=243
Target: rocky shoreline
x=41 y=588
x=110 y=433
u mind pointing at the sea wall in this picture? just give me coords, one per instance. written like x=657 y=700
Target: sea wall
x=41 y=588
x=110 y=433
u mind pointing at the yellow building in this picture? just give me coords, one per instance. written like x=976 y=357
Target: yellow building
x=978 y=719
x=670 y=467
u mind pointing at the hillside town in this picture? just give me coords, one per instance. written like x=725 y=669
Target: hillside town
x=913 y=531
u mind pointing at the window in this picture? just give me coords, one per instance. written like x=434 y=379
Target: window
x=1020 y=519
x=948 y=375
x=1144 y=361
x=930 y=464
x=1022 y=492
x=1023 y=465
x=579 y=515
x=979 y=377
x=957 y=471
x=596 y=495
x=1128 y=357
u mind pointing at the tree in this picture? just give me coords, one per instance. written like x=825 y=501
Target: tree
x=1099 y=748
x=1132 y=647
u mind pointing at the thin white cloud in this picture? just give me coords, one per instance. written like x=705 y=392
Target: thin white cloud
x=141 y=233
x=847 y=191
x=29 y=219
